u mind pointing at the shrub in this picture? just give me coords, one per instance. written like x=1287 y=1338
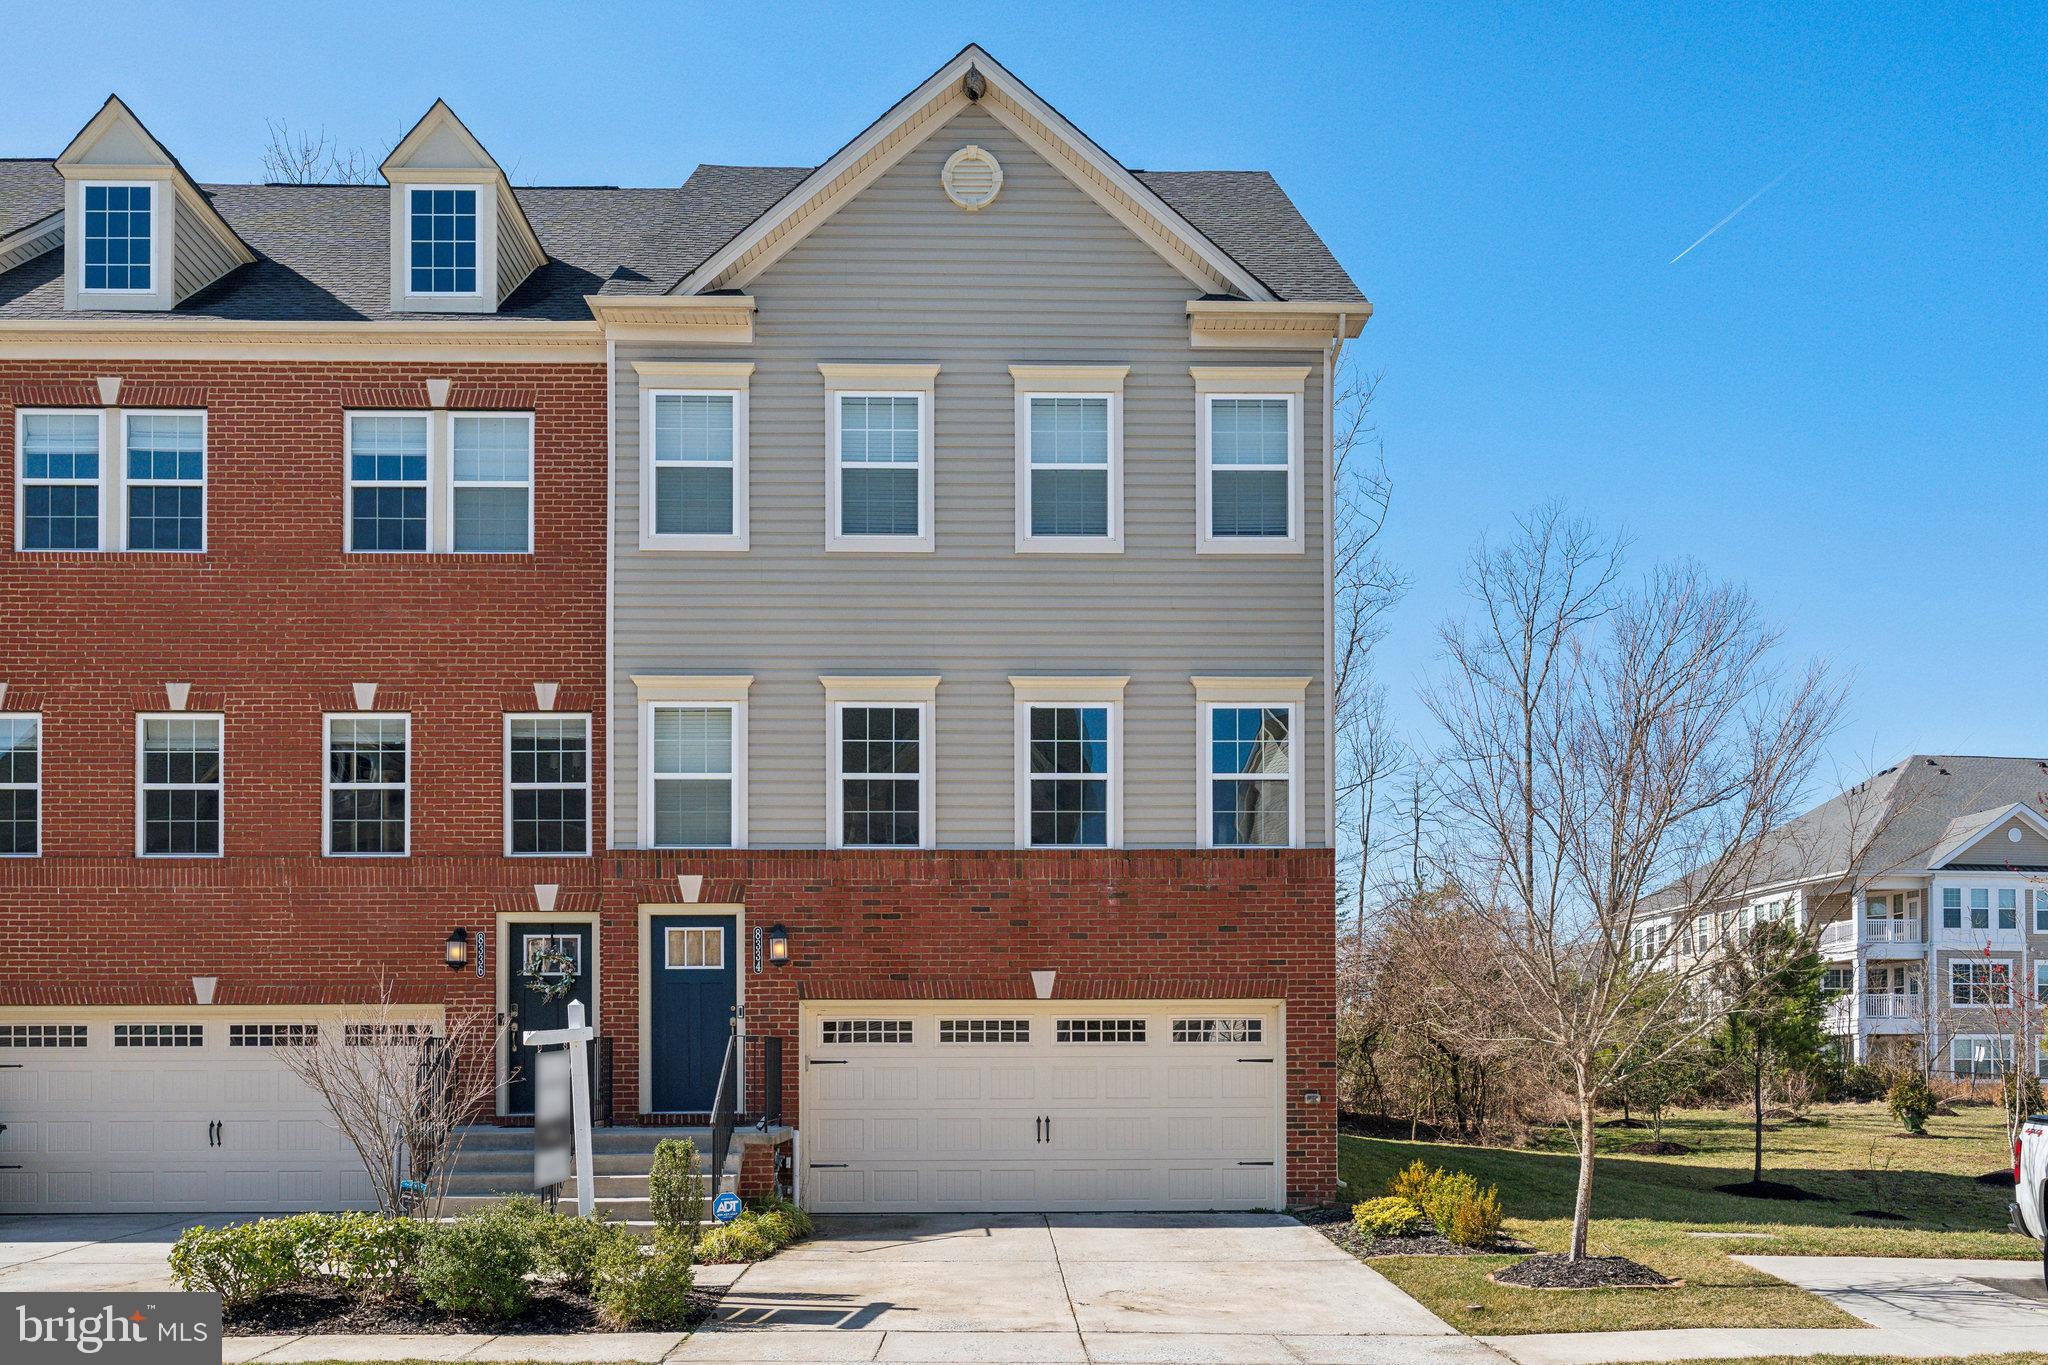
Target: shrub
x=1414 y=1184
x=1475 y=1219
x=569 y=1249
x=783 y=1221
x=674 y=1187
x=2021 y=1093
x=371 y=1253
x=1862 y=1082
x=743 y=1239
x=648 y=1291
x=1912 y=1101
x=240 y=1263
x=478 y=1264
x=1387 y=1217
x=1451 y=1189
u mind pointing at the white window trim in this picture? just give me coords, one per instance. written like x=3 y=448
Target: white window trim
x=156 y=236
x=2040 y=911
x=1288 y=382
x=22 y=481
x=486 y=201
x=737 y=779
x=142 y=720
x=917 y=381
x=920 y=692
x=1031 y=691
x=118 y=480
x=328 y=786
x=688 y=379
x=436 y=440
x=35 y=786
x=1070 y=381
x=527 y=483
x=589 y=762
x=669 y=964
x=1290 y=694
x=1996 y=1043
x=2011 y=982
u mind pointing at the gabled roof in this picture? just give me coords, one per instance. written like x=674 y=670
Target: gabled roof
x=30 y=191
x=117 y=126
x=974 y=77
x=440 y=141
x=1966 y=830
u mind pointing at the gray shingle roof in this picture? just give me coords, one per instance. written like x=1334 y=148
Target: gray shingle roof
x=322 y=252
x=1250 y=217
x=1894 y=820
x=30 y=191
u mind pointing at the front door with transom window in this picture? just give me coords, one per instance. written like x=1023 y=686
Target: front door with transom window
x=692 y=983
x=535 y=998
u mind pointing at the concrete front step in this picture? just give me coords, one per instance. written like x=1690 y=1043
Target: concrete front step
x=618 y=1210
x=518 y=1165
x=521 y=1182
x=479 y=1138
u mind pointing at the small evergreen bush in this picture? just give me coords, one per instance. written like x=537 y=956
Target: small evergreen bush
x=478 y=1264
x=745 y=1238
x=1912 y=1101
x=373 y=1254
x=1475 y=1219
x=568 y=1249
x=1441 y=1201
x=1414 y=1184
x=1390 y=1216
x=675 y=1189
x=647 y=1291
x=241 y=1263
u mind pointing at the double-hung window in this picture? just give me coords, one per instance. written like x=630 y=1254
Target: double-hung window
x=369 y=776
x=1951 y=907
x=879 y=428
x=441 y=234
x=2041 y=918
x=118 y=247
x=880 y=737
x=1980 y=1057
x=1248 y=433
x=491 y=501
x=1069 y=458
x=547 y=784
x=1980 y=907
x=166 y=479
x=694 y=773
x=387 y=481
x=58 y=494
x=21 y=785
x=693 y=454
x=1069 y=761
x=179 y=776
x=1980 y=982
x=438 y=481
x=1251 y=782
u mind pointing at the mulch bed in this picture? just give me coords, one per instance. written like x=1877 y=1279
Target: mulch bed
x=1335 y=1224
x=1657 y=1149
x=325 y=1308
x=1772 y=1189
x=1553 y=1271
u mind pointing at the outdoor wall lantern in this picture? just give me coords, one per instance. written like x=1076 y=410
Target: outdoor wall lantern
x=778 y=946
x=455 y=951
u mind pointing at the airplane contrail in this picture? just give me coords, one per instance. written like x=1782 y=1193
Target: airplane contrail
x=1732 y=213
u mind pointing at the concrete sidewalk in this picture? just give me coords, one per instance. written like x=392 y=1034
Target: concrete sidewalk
x=1915 y=1307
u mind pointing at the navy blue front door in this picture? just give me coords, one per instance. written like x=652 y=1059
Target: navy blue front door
x=692 y=978
x=533 y=1008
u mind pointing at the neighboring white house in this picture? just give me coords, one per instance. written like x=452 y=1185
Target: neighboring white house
x=1926 y=887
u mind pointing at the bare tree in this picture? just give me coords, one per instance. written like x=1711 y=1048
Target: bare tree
x=296 y=157
x=1605 y=741
x=1369 y=759
x=398 y=1089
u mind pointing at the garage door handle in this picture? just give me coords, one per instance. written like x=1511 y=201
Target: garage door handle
x=828 y=1061
x=1255 y=1059
x=1038 y=1130
x=1254 y=1163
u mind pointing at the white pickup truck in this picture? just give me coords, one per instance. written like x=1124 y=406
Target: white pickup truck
x=2029 y=1211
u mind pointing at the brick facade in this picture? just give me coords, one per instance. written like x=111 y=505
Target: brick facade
x=274 y=623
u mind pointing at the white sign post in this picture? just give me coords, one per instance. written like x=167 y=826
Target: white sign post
x=576 y=1035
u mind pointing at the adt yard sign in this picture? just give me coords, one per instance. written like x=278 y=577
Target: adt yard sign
x=726 y=1207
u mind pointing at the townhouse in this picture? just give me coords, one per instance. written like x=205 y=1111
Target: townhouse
x=879 y=607
x=1926 y=889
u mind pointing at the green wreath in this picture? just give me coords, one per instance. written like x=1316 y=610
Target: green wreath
x=550 y=974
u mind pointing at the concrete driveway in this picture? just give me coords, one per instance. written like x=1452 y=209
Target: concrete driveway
x=90 y=1251
x=1014 y=1288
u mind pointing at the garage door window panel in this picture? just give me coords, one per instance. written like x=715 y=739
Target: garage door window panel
x=1099 y=1031
x=863 y=1031
x=43 y=1035
x=984 y=1030
x=159 y=1035
x=1219 y=1030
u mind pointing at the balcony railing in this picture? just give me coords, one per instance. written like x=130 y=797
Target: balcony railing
x=1892 y=1007
x=1849 y=933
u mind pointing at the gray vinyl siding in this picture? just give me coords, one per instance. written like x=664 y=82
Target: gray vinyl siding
x=1041 y=276
x=1996 y=849
x=516 y=257
x=201 y=257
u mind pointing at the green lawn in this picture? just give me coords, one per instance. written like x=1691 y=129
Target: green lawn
x=1646 y=1208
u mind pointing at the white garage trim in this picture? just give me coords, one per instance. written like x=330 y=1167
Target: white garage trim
x=178 y=1116
x=1007 y=1111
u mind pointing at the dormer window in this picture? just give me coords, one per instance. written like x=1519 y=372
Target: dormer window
x=119 y=238
x=443 y=239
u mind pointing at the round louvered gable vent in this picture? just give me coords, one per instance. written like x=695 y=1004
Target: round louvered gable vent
x=972 y=178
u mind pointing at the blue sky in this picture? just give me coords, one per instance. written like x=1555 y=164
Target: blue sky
x=1838 y=399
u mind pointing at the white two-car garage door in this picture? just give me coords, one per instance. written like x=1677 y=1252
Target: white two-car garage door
x=179 y=1110
x=1035 y=1106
